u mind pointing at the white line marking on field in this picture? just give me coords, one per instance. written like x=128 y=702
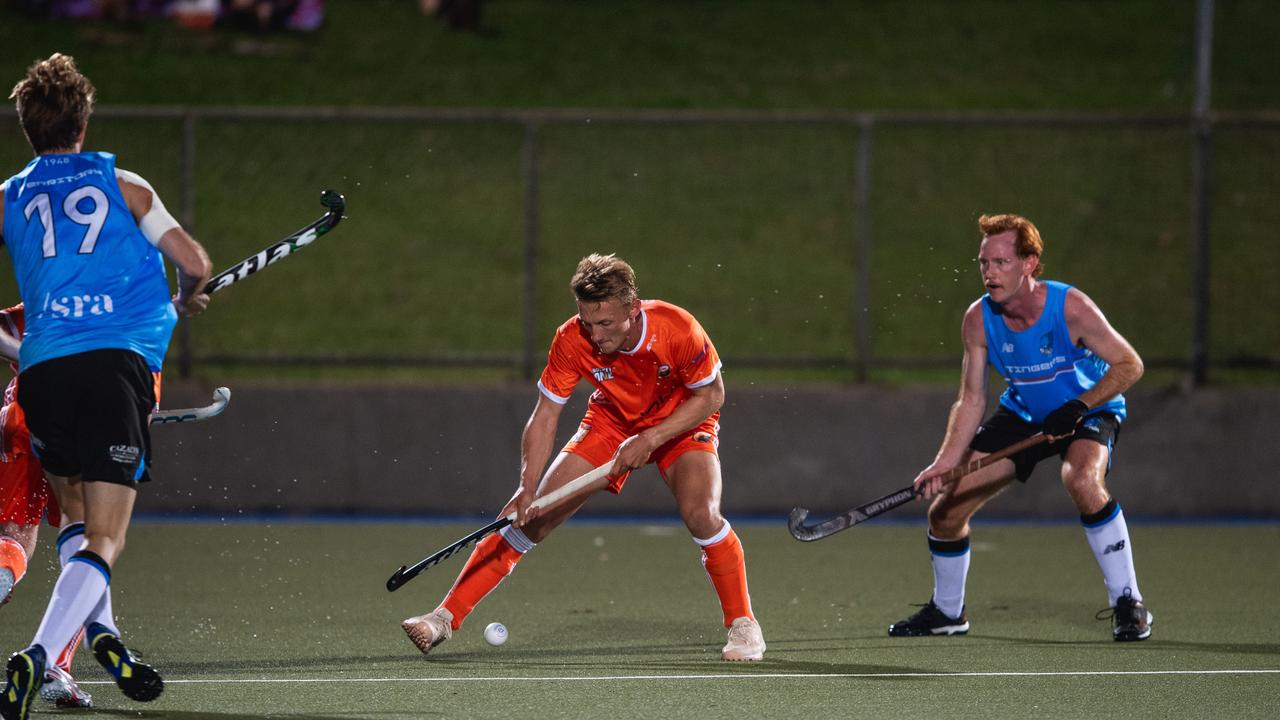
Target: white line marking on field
x=715 y=676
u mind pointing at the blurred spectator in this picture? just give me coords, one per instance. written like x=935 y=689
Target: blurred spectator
x=460 y=14
x=269 y=15
x=257 y=15
x=195 y=14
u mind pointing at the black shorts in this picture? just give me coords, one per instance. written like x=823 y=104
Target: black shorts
x=1005 y=428
x=88 y=414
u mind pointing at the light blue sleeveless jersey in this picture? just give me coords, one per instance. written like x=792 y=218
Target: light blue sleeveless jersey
x=1041 y=365
x=87 y=276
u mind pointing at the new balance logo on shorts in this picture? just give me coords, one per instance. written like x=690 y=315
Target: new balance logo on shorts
x=124 y=454
x=1114 y=548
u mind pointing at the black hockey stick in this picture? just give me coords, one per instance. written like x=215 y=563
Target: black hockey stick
x=221 y=397
x=331 y=199
x=816 y=531
x=573 y=487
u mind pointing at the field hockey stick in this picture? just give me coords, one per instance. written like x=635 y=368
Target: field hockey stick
x=331 y=199
x=221 y=397
x=573 y=487
x=879 y=506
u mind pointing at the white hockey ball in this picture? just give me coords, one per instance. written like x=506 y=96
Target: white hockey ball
x=495 y=634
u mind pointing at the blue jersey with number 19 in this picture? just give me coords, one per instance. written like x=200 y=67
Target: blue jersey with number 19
x=88 y=277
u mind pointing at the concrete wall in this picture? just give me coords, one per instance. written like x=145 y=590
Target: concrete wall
x=301 y=449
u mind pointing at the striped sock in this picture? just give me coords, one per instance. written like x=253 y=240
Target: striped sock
x=726 y=566
x=71 y=540
x=1108 y=537
x=950 y=569
x=490 y=563
x=77 y=592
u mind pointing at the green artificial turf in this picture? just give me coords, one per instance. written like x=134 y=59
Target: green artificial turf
x=252 y=619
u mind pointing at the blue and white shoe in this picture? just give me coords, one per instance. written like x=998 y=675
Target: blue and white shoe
x=137 y=680
x=25 y=674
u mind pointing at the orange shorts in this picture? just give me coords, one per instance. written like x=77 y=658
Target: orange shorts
x=598 y=438
x=24 y=494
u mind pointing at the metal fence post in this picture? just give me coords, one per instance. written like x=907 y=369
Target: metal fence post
x=529 y=178
x=862 y=250
x=187 y=188
x=1202 y=124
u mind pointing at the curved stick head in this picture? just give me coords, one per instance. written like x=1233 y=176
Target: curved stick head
x=795 y=523
x=221 y=396
x=397 y=579
x=333 y=200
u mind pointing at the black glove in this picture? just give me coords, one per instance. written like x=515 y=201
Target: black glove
x=1064 y=420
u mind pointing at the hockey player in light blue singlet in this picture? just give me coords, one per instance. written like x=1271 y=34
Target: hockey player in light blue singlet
x=1042 y=366
x=88 y=243
x=88 y=277
x=1065 y=370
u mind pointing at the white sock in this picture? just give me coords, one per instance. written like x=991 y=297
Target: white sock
x=71 y=540
x=950 y=569
x=1108 y=535
x=78 y=590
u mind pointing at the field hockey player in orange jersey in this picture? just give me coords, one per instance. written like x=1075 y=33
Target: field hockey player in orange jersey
x=657 y=398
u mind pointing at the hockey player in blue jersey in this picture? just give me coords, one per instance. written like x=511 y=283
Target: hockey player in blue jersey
x=88 y=243
x=1065 y=370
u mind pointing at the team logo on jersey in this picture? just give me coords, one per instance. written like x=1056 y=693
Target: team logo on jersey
x=663 y=371
x=706 y=346
x=602 y=374
x=1046 y=344
x=124 y=454
x=78 y=306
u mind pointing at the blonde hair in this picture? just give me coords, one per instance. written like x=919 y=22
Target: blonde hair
x=54 y=102
x=1027 y=242
x=604 y=277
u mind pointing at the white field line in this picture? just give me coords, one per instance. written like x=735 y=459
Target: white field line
x=714 y=676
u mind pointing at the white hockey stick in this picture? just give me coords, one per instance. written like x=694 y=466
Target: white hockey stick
x=221 y=397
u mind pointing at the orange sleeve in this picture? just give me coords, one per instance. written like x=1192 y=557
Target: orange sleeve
x=696 y=358
x=560 y=376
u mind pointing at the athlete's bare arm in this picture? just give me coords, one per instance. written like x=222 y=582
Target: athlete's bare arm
x=1089 y=328
x=187 y=255
x=536 y=445
x=969 y=407
x=9 y=345
x=634 y=452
